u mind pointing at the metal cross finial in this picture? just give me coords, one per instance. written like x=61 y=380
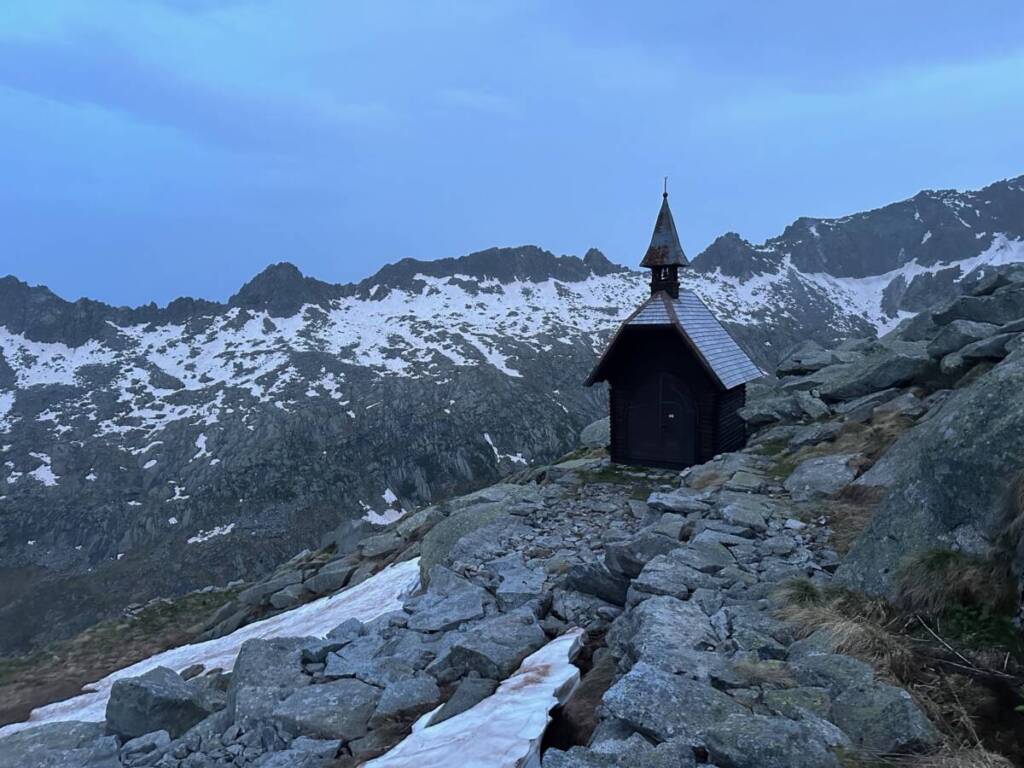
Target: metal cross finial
x=665 y=191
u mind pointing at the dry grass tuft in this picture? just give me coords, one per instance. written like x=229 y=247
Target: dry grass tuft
x=947 y=758
x=939 y=580
x=849 y=516
x=852 y=624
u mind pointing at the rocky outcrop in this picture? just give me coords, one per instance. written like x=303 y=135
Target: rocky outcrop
x=947 y=482
x=950 y=481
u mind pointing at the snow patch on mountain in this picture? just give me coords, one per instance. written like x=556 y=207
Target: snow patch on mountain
x=220 y=530
x=515 y=458
x=6 y=403
x=44 y=472
x=36 y=362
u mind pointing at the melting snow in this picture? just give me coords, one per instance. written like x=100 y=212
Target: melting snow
x=38 y=362
x=201 y=445
x=505 y=729
x=44 y=472
x=6 y=403
x=388 y=516
x=515 y=458
x=375 y=596
x=178 y=495
x=220 y=530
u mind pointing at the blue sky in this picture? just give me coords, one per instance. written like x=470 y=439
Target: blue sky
x=157 y=148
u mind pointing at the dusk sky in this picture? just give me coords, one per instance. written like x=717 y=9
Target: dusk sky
x=157 y=148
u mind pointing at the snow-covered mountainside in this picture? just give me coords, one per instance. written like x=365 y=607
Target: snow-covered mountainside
x=201 y=442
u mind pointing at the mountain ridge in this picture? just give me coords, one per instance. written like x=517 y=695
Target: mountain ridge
x=212 y=438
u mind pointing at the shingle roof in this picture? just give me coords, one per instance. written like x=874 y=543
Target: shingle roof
x=664 y=250
x=717 y=349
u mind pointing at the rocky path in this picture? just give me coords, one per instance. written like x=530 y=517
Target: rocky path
x=672 y=579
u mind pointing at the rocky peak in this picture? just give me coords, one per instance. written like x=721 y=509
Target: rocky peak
x=930 y=228
x=526 y=263
x=735 y=257
x=599 y=263
x=39 y=314
x=281 y=289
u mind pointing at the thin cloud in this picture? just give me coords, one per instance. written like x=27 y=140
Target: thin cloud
x=93 y=70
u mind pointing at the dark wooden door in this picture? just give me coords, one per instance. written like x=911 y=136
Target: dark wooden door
x=661 y=421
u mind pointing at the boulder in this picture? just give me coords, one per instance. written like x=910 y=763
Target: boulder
x=834 y=672
x=145 y=750
x=762 y=411
x=1001 y=307
x=806 y=357
x=258 y=593
x=664 y=706
x=159 y=700
x=265 y=672
x=518 y=582
x=627 y=558
x=813 y=407
x=60 y=745
x=406 y=700
x=347 y=631
x=492 y=648
x=958 y=334
x=704 y=556
x=759 y=741
x=332 y=577
x=795 y=703
x=813 y=434
x=448 y=602
x=859 y=409
x=820 y=477
x=661 y=632
x=597 y=434
x=881 y=370
x=670 y=524
x=745 y=515
x=680 y=501
x=945 y=481
x=992 y=348
x=303 y=752
x=595 y=579
x=469 y=692
x=632 y=752
x=382 y=544
x=347 y=535
x=883 y=719
x=338 y=710
x=414 y=524
x=998 y=278
x=290 y=596
x=439 y=540
x=665 y=575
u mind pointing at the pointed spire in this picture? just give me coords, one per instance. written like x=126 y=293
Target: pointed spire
x=664 y=250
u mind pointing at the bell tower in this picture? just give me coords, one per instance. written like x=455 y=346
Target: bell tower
x=665 y=255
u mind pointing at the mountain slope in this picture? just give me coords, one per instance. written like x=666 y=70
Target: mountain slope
x=202 y=441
